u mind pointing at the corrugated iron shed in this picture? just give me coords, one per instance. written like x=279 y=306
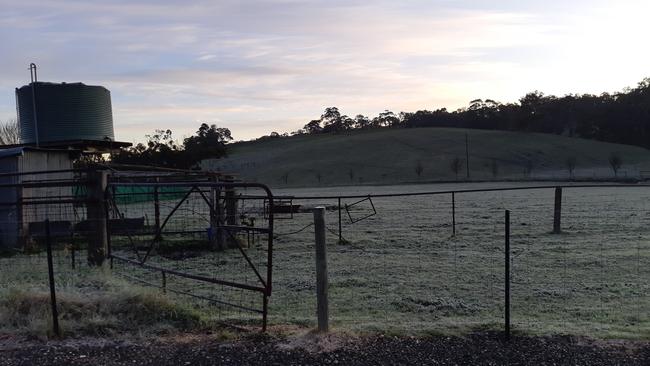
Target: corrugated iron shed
x=14 y=163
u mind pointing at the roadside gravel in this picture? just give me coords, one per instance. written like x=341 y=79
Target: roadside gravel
x=475 y=349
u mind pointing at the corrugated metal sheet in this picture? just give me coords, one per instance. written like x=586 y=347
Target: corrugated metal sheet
x=8 y=214
x=8 y=153
x=19 y=151
x=39 y=160
x=65 y=112
x=14 y=220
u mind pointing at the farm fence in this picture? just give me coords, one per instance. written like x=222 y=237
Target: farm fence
x=212 y=241
x=413 y=262
x=434 y=261
x=192 y=240
x=45 y=228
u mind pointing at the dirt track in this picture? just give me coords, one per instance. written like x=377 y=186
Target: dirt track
x=478 y=349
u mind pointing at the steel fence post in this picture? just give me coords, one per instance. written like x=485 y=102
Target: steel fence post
x=340 y=224
x=321 y=269
x=50 y=272
x=507 y=275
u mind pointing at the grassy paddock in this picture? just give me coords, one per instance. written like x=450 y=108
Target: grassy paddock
x=403 y=271
x=393 y=156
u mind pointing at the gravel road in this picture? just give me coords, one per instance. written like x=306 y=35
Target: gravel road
x=476 y=349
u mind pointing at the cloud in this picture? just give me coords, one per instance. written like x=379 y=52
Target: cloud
x=258 y=66
x=206 y=57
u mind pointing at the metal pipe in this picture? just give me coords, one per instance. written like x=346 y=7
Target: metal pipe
x=34 y=78
x=321 y=270
x=209 y=299
x=507 y=275
x=50 y=272
x=72 y=256
x=467 y=154
x=430 y=193
x=557 y=212
x=190 y=276
x=340 y=224
x=453 y=213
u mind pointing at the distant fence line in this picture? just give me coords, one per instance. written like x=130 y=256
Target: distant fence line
x=430 y=193
x=557 y=187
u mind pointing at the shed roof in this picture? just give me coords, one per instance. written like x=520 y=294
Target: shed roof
x=19 y=151
x=83 y=145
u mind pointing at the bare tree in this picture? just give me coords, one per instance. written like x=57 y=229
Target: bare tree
x=9 y=132
x=456 y=165
x=419 y=168
x=571 y=165
x=615 y=162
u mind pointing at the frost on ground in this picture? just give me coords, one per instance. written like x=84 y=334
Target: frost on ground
x=402 y=271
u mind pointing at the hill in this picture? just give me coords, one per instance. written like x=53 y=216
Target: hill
x=388 y=156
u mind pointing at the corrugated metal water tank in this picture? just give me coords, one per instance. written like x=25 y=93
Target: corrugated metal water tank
x=65 y=112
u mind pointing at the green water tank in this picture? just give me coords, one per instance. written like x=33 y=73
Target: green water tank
x=64 y=112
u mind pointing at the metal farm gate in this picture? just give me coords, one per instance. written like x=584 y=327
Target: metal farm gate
x=212 y=241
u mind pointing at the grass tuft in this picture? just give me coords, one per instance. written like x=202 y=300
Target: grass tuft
x=109 y=310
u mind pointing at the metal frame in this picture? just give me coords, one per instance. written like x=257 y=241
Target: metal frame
x=354 y=221
x=279 y=201
x=265 y=285
x=432 y=193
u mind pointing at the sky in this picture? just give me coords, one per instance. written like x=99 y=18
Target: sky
x=274 y=65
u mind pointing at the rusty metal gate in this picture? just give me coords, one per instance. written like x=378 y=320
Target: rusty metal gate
x=211 y=241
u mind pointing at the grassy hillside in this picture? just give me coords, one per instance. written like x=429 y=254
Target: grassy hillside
x=392 y=156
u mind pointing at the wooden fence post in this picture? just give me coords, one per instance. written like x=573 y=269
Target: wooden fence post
x=557 y=213
x=96 y=208
x=230 y=204
x=321 y=269
x=217 y=239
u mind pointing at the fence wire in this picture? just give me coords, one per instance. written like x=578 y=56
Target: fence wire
x=403 y=269
x=171 y=230
x=399 y=266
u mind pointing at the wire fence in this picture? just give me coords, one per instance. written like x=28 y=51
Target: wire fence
x=202 y=240
x=409 y=262
x=46 y=256
x=196 y=256
x=402 y=268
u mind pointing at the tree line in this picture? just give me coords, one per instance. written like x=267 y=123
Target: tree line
x=162 y=150
x=622 y=117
